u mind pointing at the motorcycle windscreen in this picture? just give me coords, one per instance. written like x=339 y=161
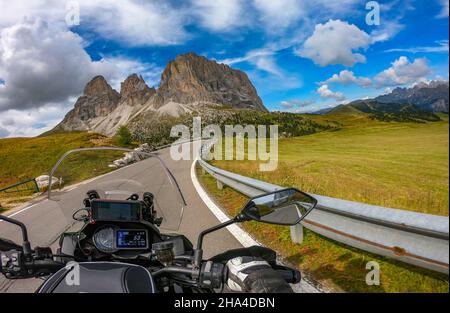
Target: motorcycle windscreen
x=116 y=174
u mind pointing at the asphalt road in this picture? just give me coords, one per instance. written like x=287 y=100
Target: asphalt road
x=46 y=220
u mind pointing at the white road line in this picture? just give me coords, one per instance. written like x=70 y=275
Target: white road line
x=26 y=208
x=243 y=237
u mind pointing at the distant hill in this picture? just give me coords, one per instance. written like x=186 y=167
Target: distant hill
x=417 y=104
x=399 y=112
x=430 y=97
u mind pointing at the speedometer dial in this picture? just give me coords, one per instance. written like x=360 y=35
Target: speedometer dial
x=104 y=239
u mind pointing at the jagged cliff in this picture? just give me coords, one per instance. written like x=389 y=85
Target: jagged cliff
x=191 y=78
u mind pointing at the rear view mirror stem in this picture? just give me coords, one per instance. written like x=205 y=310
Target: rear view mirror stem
x=198 y=252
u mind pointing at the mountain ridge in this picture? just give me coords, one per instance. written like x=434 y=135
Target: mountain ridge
x=188 y=83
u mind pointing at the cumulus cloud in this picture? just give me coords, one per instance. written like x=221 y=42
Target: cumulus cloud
x=403 y=72
x=334 y=43
x=42 y=63
x=347 y=77
x=325 y=92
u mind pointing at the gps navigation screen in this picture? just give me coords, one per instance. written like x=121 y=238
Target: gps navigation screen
x=115 y=211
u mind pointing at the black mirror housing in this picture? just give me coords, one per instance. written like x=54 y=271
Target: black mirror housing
x=282 y=207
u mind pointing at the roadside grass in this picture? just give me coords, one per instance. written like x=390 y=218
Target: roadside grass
x=399 y=165
x=25 y=158
x=334 y=265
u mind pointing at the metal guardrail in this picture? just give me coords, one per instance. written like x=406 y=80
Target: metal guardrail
x=415 y=238
x=17 y=188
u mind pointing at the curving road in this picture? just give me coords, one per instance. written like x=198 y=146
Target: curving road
x=45 y=220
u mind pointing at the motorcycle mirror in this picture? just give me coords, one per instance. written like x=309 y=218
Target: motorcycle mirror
x=81 y=215
x=26 y=247
x=283 y=207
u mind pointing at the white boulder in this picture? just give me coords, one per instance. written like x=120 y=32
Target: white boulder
x=42 y=181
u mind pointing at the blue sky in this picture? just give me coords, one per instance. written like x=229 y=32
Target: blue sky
x=301 y=55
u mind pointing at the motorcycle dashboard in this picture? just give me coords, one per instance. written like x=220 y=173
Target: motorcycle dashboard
x=116 y=210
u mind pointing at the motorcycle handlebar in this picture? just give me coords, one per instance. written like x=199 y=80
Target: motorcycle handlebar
x=14 y=264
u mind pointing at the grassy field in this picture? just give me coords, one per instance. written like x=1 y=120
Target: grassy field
x=336 y=266
x=25 y=158
x=400 y=165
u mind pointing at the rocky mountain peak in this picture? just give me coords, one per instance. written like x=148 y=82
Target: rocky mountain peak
x=192 y=78
x=431 y=97
x=134 y=84
x=98 y=86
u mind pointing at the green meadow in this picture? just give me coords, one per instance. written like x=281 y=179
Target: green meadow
x=399 y=165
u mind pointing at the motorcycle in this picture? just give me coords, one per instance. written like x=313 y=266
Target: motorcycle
x=124 y=239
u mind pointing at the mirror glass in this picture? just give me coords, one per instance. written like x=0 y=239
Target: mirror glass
x=284 y=207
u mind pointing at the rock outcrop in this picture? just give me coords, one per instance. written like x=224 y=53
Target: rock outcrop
x=134 y=90
x=191 y=78
x=98 y=100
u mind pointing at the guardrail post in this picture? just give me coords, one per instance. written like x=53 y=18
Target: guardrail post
x=36 y=186
x=219 y=185
x=297 y=233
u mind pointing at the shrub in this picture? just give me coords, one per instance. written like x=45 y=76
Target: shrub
x=123 y=137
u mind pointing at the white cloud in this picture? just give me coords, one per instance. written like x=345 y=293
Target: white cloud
x=442 y=46
x=123 y=67
x=325 y=92
x=220 y=15
x=263 y=59
x=386 y=31
x=280 y=14
x=32 y=122
x=334 y=43
x=347 y=77
x=403 y=72
x=133 y=22
x=444 y=10
x=296 y=103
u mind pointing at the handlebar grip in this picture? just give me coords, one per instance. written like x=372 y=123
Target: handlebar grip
x=212 y=275
x=43 y=267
